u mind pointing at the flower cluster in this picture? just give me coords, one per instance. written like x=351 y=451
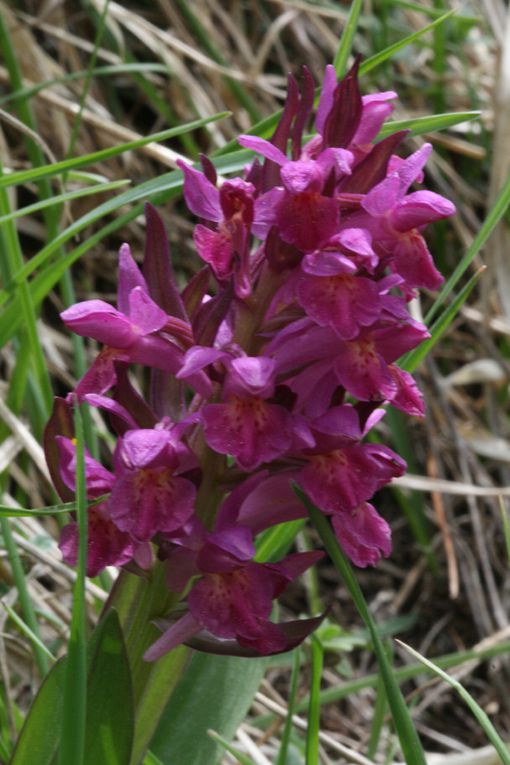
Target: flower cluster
x=270 y=368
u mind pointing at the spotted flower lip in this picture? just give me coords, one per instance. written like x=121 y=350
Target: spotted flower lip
x=267 y=372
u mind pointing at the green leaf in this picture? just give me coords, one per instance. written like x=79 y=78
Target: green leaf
x=345 y=45
x=314 y=706
x=209 y=696
x=6 y=511
x=39 y=737
x=479 y=714
x=390 y=51
x=241 y=758
x=25 y=629
x=495 y=214
x=415 y=357
x=46 y=171
x=110 y=711
x=408 y=737
x=428 y=124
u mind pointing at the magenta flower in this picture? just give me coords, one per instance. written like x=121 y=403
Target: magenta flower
x=107 y=544
x=246 y=425
x=148 y=495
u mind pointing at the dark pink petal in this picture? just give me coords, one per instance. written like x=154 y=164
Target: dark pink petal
x=327 y=263
x=420 y=208
x=236 y=199
x=107 y=546
x=99 y=479
x=215 y=248
x=144 y=313
x=290 y=568
x=392 y=342
x=146 y=448
x=343 y=479
x=413 y=261
x=110 y=405
x=129 y=278
x=265 y=211
x=408 y=397
x=344 y=302
x=329 y=84
x=230 y=507
x=301 y=176
x=363 y=371
x=307 y=220
x=376 y=110
x=226 y=550
x=251 y=430
x=179 y=632
x=197 y=358
x=181 y=566
x=251 y=375
x=151 y=500
x=231 y=604
x=101 y=376
x=273 y=501
x=263 y=147
x=383 y=197
x=363 y=535
x=202 y=198
x=97 y=319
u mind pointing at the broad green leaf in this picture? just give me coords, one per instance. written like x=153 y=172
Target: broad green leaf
x=215 y=693
x=479 y=714
x=110 y=712
x=39 y=737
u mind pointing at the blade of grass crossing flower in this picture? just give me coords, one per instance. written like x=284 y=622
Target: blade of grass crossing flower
x=74 y=708
x=428 y=124
x=25 y=629
x=287 y=728
x=63 y=507
x=494 y=216
x=241 y=758
x=345 y=45
x=408 y=737
x=276 y=541
x=479 y=714
x=387 y=53
x=314 y=707
x=415 y=357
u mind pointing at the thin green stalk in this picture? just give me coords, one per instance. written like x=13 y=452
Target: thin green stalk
x=314 y=707
x=287 y=728
x=74 y=711
x=24 y=596
x=408 y=737
x=345 y=45
x=377 y=720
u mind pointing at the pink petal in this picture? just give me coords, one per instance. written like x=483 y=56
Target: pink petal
x=97 y=319
x=178 y=633
x=263 y=147
x=129 y=278
x=202 y=198
x=363 y=535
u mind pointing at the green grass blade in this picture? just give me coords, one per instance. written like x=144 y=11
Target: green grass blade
x=98 y=71
x=276 y=541
x=74 y=712
x=345 y=45
x=46 y=171
x=25 y=629
x=409 y=741
x=387 y=53
x=497 y=211
x=287 y=728
x=68 y=196
x=6 y=511
x=314 y=707
x=479 y=714
x=241 y=758
x=506 y=527
x=415 y=357
x=429 y=124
